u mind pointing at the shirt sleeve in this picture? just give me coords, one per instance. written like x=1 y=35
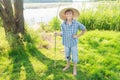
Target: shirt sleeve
x=61 y=29
x=81 y=26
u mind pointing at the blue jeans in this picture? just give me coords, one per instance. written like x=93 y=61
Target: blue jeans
x=74 y=51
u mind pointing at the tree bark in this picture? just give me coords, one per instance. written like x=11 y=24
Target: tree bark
x=6 y=13
x=18 y=9
x=12 y=17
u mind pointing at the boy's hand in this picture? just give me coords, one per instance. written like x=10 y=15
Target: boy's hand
x=57 y=34
x=75 y=36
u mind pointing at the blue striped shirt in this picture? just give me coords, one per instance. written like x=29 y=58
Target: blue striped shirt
x=68 y=31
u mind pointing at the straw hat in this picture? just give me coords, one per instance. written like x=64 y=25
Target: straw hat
x=75 y=11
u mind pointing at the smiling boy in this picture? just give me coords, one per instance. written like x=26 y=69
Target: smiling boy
x=69 y=29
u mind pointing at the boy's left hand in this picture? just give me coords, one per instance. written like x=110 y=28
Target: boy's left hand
x=75 y=36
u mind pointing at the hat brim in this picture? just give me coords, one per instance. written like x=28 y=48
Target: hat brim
x=62 y=13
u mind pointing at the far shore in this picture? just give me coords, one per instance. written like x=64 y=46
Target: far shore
x=44 y=5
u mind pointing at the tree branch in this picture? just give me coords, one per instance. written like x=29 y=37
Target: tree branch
x=1 y=1
x=2 y=12
x=8 y=6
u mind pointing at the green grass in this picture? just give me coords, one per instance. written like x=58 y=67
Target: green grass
x=99 y=55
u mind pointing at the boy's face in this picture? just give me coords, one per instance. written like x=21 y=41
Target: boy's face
x=69 y=15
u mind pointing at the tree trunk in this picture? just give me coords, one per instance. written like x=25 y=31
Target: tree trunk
x=12 y=17
x=18 y=8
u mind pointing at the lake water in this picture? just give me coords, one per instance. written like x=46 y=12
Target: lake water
x=33 y=16
x=34 y=13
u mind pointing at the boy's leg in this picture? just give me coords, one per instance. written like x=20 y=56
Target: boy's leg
x=67 y=55
x=74 y=59
x=75 y=69
x=67 y=66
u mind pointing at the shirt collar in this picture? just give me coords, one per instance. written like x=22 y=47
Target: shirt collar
x=65 y=22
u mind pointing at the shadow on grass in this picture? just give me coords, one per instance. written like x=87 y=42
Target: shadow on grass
x=20 y=58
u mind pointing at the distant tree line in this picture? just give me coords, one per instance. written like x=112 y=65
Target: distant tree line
x=104 y=0
x=44 y=1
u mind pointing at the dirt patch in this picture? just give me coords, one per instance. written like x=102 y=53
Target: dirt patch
x=48 y=38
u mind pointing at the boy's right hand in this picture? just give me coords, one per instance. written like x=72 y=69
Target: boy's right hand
x=55 y=34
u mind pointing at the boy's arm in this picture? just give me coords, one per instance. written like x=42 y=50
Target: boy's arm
x=83 y=31
x=81 y=27
x=78 y=35
x=60 y=34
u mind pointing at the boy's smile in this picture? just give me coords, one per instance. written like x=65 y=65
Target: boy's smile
x=69 y=15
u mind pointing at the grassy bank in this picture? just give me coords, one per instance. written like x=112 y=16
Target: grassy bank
x=99 y=55
x=104 y=17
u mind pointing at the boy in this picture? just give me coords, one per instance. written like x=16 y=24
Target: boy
x=69 y=29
